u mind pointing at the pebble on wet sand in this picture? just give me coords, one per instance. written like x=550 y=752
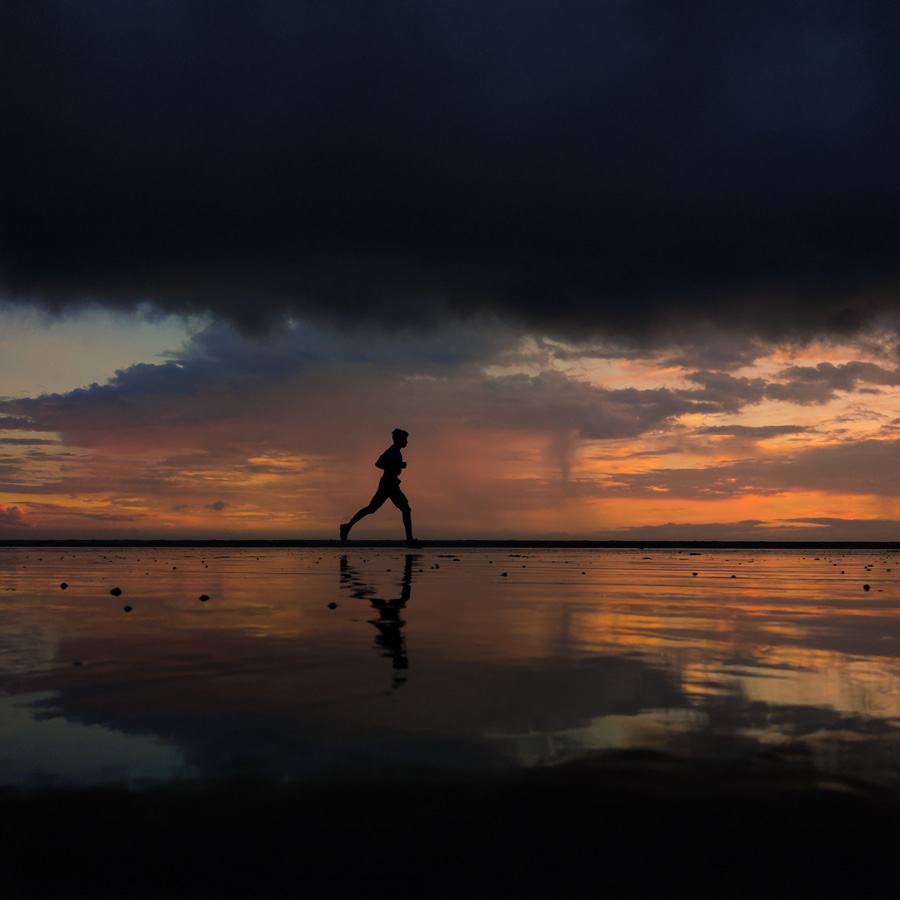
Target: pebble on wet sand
x=63 y=586
x=866 y=587
x=116 y=591
x=127 y=608
x=332 y=605
x=204 y=597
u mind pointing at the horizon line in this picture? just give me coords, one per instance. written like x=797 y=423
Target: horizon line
x=450 y=542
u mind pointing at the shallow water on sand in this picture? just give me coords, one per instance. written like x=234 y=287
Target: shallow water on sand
x=317 y=663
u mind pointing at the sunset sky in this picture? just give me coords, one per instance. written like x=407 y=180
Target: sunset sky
x=622 y=269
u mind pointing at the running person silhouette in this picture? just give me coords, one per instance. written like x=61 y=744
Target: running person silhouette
x=388 y=488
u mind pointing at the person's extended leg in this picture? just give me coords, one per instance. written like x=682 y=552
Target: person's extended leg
x=374 y=506
x=345 y=528
x=361 y=514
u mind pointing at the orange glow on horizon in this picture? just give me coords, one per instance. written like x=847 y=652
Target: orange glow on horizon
x=284 y=460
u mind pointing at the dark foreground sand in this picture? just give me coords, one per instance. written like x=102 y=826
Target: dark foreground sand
x=632 y=825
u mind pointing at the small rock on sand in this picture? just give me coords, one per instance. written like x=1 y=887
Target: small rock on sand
x=116 y=591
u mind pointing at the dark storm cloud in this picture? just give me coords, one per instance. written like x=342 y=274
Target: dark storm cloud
x=843 y=377
x=755 y=431
x=771 y=530
x=18 y=423
x=580 y=167
x=293 y=345
x=180 y=399
x=607 y=352
x=863 y=468
x=721 y=351
x=224 y=387
x=804 y=385
x=711 y=349
x=220 y=374
x=818 y=384
x=728 y=392
x=553 y=402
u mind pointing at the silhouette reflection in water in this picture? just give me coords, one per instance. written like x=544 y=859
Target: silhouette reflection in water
x=390 y=639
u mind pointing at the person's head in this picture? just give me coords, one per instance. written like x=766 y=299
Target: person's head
x=400 y=437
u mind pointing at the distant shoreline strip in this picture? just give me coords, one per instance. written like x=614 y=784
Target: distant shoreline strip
x=891 y=546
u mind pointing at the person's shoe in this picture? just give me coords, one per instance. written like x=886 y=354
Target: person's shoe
x=413 y=544
x=345 y=530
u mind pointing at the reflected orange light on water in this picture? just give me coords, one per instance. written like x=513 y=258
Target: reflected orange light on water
x=529 y=656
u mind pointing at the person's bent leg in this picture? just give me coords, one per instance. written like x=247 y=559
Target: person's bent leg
x=398 y=498
x=407 y=523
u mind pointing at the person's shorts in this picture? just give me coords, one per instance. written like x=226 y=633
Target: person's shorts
x=390 y=492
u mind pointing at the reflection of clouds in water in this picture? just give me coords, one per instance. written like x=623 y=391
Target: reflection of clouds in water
x=284 y=707
x=727 y=728
x=610 y=732
x=25 y=646
x=824 y=679
x=28 y=643
x=541 y=667
x=30 y=749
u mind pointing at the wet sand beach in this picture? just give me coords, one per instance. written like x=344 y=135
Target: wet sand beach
x=367 y=718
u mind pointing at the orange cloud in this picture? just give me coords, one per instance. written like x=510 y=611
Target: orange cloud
x=13 y=517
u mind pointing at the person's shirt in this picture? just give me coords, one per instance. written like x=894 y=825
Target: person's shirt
x=392 y=462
